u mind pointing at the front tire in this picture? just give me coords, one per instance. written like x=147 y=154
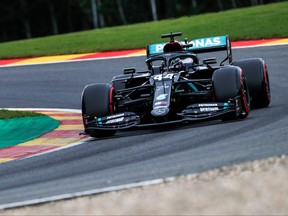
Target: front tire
x=229 y=83
x=97 y=101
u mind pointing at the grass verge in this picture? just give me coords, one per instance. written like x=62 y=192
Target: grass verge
x=266 y=21
x=7 y=114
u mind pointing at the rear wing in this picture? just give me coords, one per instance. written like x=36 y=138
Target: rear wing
x=201 y=45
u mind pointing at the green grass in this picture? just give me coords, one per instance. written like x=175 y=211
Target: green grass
x=266 y=21
x=7 y=114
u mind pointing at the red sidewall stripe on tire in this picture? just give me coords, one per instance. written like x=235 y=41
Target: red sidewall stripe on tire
x=246 y=107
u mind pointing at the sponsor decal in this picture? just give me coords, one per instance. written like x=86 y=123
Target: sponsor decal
x=208 y=42
x=115 y=116
x=197 y=44
x=159 y=47
x=161 y=103
x=208 y=109
x=161 y=107
x=160 y=111
x=116 y=120
x=167 y=86
x=208 y=105
x=161 y=97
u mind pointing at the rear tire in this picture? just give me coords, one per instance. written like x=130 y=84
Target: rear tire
x=228 y=83
x=97 y=102
x=256 y=72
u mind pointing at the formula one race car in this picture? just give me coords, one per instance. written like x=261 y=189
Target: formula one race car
x=177 y=88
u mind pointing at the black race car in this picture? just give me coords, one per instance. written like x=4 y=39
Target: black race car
x=177 y=88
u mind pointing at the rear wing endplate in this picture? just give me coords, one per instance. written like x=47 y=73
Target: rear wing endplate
x=201 y=45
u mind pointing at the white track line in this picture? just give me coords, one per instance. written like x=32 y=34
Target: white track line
x=85 y=193
x=45 y=109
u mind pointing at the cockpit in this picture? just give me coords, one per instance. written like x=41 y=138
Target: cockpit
x=171 y=62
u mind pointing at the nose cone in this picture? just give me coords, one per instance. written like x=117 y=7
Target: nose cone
x=160 y=111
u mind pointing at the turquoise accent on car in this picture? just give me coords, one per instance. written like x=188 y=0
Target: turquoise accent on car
x=193 y=87
x=210 y=42
x=201 y=43
x=156 y=48
x=99 y=120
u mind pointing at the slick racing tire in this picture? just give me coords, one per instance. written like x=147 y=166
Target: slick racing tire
x=229 y=83
x=97 y=102
x=256 y=72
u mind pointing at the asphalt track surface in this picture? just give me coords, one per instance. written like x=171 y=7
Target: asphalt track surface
x=134 y=156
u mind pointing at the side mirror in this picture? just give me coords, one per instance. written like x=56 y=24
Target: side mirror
x=129 y=70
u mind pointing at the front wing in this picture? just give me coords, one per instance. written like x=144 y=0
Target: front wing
x=194 y=112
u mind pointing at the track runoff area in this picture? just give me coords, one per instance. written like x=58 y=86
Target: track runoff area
x=67 y=134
